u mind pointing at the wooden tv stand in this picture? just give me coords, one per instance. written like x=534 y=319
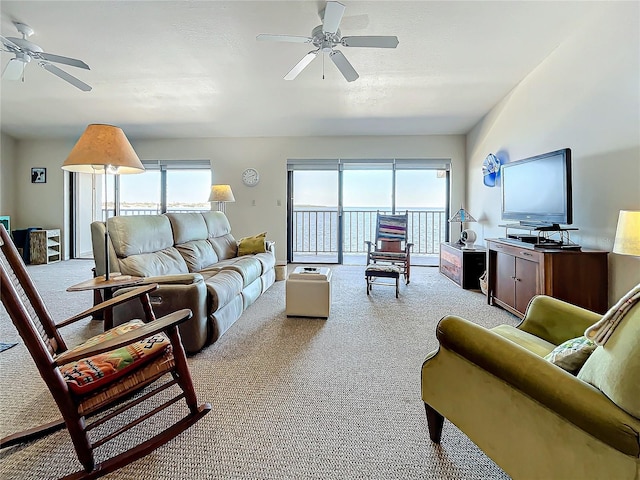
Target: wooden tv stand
x=517 y=271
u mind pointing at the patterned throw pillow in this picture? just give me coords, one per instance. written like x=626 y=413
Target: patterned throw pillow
x=90 y=373
x=571 y=354
x=251 y=245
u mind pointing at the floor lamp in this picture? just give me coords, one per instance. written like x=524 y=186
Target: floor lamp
x=221 y=194
x=627 y=240
x=103 y=149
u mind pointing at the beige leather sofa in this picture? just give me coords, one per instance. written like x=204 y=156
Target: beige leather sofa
x=193 y=257
x=534 y=419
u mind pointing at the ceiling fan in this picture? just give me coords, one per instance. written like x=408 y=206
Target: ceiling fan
x=327 y=36
x=25 y=51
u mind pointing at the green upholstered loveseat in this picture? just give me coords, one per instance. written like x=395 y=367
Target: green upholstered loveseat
x=534 y=419
x=193 y=257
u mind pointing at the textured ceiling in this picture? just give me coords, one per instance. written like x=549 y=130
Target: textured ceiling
x=195 y=69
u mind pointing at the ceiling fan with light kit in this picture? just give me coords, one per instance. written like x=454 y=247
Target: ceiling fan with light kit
x=326 y=37
x=25 y=51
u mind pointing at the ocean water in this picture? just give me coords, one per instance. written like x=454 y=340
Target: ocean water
x=315 y=229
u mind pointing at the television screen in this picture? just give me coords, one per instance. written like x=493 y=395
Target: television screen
x=537 y=191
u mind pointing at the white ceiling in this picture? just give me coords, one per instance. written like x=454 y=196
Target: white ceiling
x=194 y=68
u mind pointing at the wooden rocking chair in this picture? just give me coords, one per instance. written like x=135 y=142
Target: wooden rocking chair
x=130 y=357
x=390 y=245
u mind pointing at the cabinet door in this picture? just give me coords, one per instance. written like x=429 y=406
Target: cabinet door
x=505 y=271
x=526 y=284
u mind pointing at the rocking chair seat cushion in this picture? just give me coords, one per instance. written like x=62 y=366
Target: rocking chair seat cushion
x=389 y=256
x=86 y=375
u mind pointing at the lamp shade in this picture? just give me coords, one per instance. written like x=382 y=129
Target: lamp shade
x=462 y=216
x=102 y=146
x=627 y=241
x=221 y=193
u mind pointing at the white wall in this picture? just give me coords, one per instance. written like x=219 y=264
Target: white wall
x=7 y=175
x=584 y=96
x=44 y=204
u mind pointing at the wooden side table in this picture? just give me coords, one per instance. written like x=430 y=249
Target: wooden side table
x=107 y=287
x=463 y=266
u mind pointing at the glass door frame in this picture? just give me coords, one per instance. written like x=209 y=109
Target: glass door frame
x=395 y=164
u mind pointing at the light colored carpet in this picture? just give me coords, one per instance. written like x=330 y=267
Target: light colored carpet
x=292 y=398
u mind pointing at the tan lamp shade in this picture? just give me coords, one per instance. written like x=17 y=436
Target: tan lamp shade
x=627 y=241
x=221 y=193
x=102 y=146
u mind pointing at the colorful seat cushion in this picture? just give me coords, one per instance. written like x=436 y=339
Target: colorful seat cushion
x=91 y=373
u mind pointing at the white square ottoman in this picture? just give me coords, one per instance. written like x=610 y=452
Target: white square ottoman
x=309 y=292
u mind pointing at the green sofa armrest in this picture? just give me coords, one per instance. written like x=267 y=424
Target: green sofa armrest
x=556 y=321
x=571 y=398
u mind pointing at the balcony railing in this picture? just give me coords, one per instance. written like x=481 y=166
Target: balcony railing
x=316 y=231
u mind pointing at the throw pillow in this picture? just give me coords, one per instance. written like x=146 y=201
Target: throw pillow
x=251 y=245
x=571 y=354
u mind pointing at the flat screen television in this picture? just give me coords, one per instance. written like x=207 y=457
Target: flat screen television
x=536 y=191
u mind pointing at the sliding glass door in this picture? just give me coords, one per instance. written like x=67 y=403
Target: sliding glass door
x=314 y=218
x=334 y=203
x=164 y=186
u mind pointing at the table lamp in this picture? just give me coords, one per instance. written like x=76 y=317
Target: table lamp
x=627 y=241
x=462 y=216
x=221 y=194
x=103 y=149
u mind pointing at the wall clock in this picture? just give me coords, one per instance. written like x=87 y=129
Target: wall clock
x=250 y=177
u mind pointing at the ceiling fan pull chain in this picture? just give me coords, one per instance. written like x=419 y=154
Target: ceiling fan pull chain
x=323 y=66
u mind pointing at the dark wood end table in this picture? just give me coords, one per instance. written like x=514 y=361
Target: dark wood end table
x=107 y=287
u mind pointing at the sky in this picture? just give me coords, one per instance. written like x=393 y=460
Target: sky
x=370 y=188
x=362 y=188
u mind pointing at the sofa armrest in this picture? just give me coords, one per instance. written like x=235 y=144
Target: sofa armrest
x=270 y=246
x=190 y=291
x=556 y=321
x=559 y=391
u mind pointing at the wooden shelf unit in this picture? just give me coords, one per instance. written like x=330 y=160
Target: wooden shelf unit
x=45 y=246
x=518 y=272
x=464 y=267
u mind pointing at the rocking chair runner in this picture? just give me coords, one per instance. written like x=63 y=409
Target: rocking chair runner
x=390 y=245
x=129 y=357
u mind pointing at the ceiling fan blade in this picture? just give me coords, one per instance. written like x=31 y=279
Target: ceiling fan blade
x=10 y=45
x=332 y=16
x=65 y=76
x=343 y=65
x=14 y=69
x=306 y=60
x=50 y=57
x=283 y=38
x=370 y=41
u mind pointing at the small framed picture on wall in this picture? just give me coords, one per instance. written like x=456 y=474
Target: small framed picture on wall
x=38 y=175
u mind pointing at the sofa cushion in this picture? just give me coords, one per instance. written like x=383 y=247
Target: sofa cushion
x=268 y=260
x=249 y=267
x=187 y=227
x=252 y=245
x=198 y=254
x=217 y=224
x=225 y=246
x=133 y=235
x=614 y=368
x=223 y=287
x=165 y=262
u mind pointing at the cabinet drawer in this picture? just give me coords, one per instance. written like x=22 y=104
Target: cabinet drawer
x=516 y=251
